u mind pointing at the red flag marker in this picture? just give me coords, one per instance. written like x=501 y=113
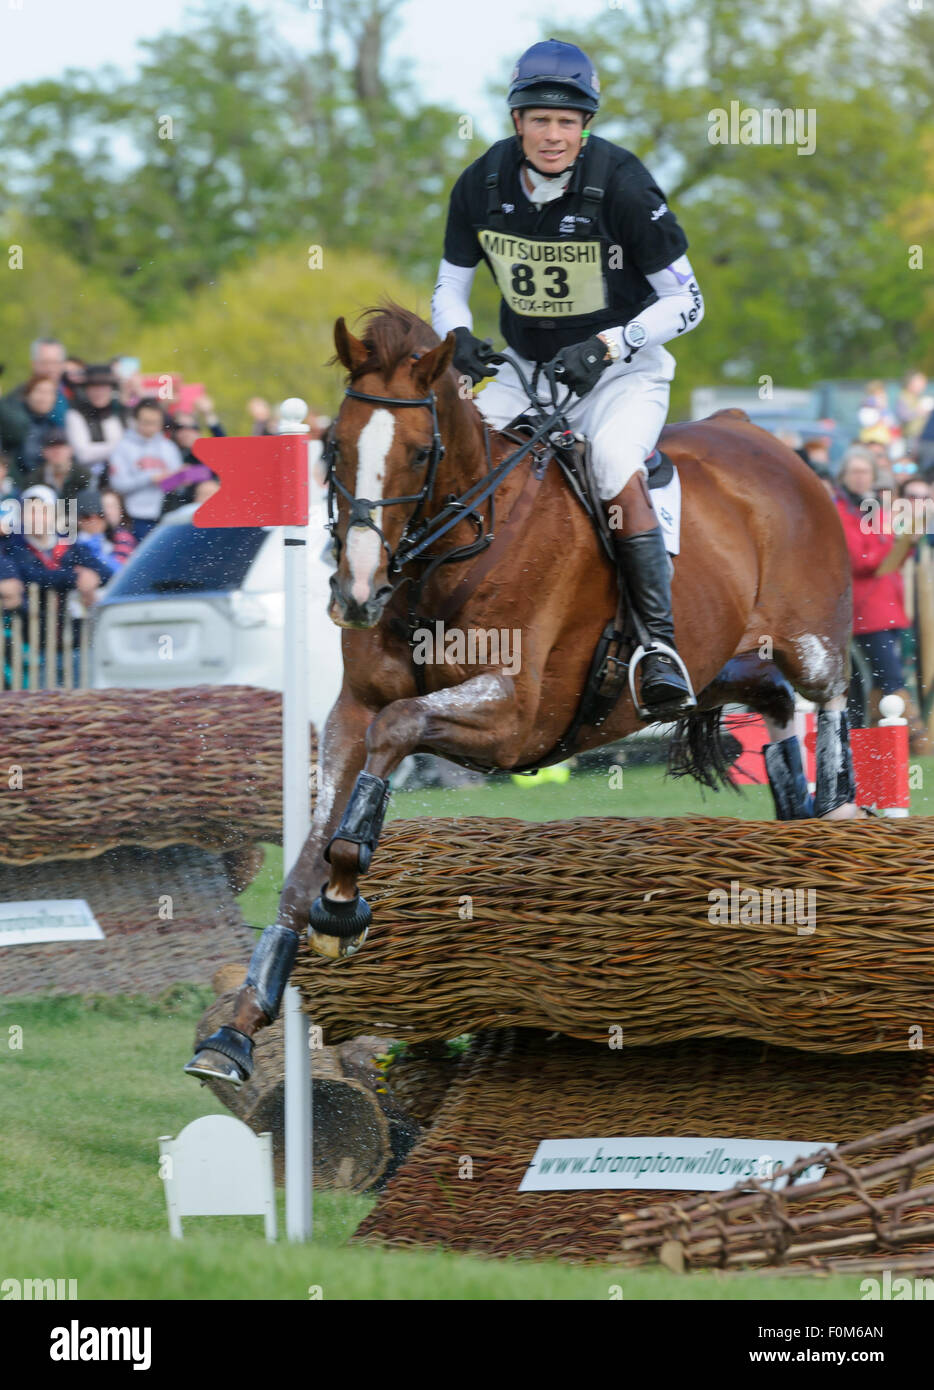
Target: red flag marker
x=264 y=481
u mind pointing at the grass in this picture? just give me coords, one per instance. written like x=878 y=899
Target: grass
x=98 y=1080
x=95 y=1084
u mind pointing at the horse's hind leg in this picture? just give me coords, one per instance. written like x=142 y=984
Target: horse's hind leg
x=835 y=796
x=818 y=669
x=749 y=680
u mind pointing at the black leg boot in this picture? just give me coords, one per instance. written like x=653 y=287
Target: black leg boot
x=787 y=781
x=643 y=561
x=836 y=785
x=227 y=1055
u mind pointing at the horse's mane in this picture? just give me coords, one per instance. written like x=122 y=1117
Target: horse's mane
x=391 y=334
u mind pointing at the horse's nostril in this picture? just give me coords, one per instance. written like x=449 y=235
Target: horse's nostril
x=383 y=594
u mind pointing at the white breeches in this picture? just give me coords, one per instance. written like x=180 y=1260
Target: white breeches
x=622 y=416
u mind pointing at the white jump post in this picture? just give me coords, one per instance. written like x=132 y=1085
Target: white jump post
x=897 y=785
x=296 y=822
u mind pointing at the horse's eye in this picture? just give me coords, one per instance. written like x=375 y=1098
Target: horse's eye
x=422 y=456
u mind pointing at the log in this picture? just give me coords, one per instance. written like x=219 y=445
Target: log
x=361 y=1133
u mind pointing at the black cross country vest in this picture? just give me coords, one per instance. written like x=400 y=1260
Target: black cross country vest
x=552 y=264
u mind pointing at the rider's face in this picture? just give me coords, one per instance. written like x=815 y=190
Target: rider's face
x=551 y=139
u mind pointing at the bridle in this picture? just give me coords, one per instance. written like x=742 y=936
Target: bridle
x=418 y=534
x=361 y=508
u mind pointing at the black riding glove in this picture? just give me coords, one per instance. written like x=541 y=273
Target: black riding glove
x=469 y=354
x=581 y=365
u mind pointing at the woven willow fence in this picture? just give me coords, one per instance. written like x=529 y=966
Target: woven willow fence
x=147 y=804
x=587 y=926
x=200 y=766
x=801 y=1022
x=517 y=1087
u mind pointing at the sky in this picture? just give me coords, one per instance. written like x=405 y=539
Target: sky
x=454 y=48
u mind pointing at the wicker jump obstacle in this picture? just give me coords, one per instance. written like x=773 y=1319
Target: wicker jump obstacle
x=544 y=942
x=549 y=941
x=149 y=805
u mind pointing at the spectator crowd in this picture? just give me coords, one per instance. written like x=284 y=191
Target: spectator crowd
x=89 y=464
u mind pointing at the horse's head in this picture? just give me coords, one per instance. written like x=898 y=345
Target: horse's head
x=382 y=458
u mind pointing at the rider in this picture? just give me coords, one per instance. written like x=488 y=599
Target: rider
x=590 y=261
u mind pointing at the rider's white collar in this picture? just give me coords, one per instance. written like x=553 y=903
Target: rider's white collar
x=545 y=188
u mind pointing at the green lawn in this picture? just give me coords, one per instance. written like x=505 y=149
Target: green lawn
x=83 y=1105
x=96 y=1083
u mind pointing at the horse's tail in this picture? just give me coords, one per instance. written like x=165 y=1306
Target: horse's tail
x=702 y=749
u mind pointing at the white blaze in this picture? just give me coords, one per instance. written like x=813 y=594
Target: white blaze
x=364 y=548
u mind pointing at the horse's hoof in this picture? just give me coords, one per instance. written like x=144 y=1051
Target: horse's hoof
x=332 y=918
x=212 y=1066
x=335 y=947
x=226 y=1055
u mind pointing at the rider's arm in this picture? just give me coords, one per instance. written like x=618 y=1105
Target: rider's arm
x=653 y=242
x=678 y=309
x=450 y=307
x=449 y=302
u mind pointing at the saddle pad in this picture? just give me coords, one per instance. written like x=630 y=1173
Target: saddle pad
x=665 y=487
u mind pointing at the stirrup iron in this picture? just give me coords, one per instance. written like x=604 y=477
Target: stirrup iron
x=638 y=656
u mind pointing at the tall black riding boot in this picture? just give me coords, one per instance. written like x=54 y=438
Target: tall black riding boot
x=645 y=567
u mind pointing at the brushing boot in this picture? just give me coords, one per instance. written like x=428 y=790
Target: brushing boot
x=787 y=781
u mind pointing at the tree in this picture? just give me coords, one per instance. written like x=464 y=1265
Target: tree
x=804 y=272
x=51 y=295
x=266 y=328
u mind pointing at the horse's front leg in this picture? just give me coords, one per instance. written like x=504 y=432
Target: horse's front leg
x=478 y=720
x=227 y=1055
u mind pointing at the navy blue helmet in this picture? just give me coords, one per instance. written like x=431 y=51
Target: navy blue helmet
x=553 y=73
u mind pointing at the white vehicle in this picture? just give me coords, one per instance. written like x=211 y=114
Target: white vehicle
x=195 y=606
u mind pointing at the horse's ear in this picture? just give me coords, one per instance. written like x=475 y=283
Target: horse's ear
x=429 y=367
x=351 y=352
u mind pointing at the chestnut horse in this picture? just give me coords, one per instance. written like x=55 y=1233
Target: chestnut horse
x=761 y=601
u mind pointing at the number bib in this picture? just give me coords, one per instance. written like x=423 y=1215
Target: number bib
x=546 y=279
